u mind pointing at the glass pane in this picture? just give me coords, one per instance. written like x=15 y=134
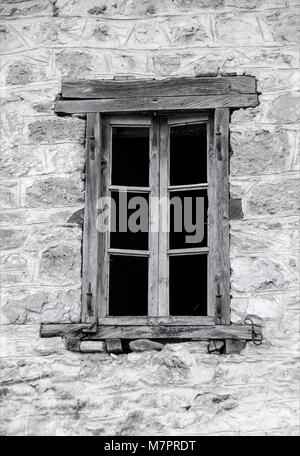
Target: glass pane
x=188 y=219
x=188 y=285
x=130 y=156
x=128 y=285
x=131 y=225
x=188 y=154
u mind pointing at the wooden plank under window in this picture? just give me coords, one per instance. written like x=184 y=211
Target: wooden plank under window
x=195 y=332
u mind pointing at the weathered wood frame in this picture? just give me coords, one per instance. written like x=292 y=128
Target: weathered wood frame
x=184 y=95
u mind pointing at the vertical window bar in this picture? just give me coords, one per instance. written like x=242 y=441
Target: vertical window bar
x=154 y=216
x=104 y=216
x=164 y=220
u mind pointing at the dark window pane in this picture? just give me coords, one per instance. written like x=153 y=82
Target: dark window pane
x=125 y=236
x=130 y=156
x=185 y=215
x=128 y=285
x=188 y=285
x=188 y=154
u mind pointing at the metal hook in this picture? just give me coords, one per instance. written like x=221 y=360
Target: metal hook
x=254 y=334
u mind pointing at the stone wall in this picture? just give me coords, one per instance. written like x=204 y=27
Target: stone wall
x=47 y=390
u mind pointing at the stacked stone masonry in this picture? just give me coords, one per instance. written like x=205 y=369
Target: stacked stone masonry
x=180 y=390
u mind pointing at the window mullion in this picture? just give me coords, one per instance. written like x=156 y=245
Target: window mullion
x=104 y=236
x=164 y=219
x=153 y=277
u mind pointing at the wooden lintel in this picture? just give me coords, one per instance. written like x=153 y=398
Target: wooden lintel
x=87 y=89
x=197 y=332
x=140 y=104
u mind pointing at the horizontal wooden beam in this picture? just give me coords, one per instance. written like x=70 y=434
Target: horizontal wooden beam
x=157 y=321
x=190 y=251
x=85 y=89
x=187 y=188
x=196 y=332
x=191 y=103
x=125 y=252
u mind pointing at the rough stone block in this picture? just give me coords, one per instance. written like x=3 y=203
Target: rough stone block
x=125 y=62
x=265 y=308
x=49 y=32
x=90 y=346
x=235 y=209
x=259 y=152
x=234 y=346
x=264 y=236
x=60 y=265
x=77 y=217
x=285 y=108
x=23 y=72
x=73 y=64
x=23 y=9
x=146 y=34
x=17 y=267
x=10 y=39
x=57 y=130
x=72 y=344
x=21 y=162
x=166 y=63
x=28 y=306
x=282 y=27
x=12 y=239
x=193 y=30
x=9 y=194
x=237 y=29
x=206 y=68
x=64 y=158
x=270 y=198
x=254 y=274
x=251 y=5
x=11 y=217
x=114 y=346
x=269 y=81
x=51 y=235
x=144 y=345
x=54 y=191
x=216 y=346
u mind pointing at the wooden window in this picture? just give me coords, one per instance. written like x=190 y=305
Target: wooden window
x=152 y=273
x=156 y=139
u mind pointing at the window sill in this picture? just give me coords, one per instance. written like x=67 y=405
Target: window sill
x=244 y=332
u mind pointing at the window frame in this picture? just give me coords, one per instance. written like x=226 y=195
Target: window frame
x=97 y=244
x=213 y=95
x=158 y=304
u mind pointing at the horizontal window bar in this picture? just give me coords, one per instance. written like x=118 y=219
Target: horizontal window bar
x=174 y=188
x=130 y=121
x=155 y=321
x=175 y=120
x=128 y=252
x=122 y=188
x=191 y=251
